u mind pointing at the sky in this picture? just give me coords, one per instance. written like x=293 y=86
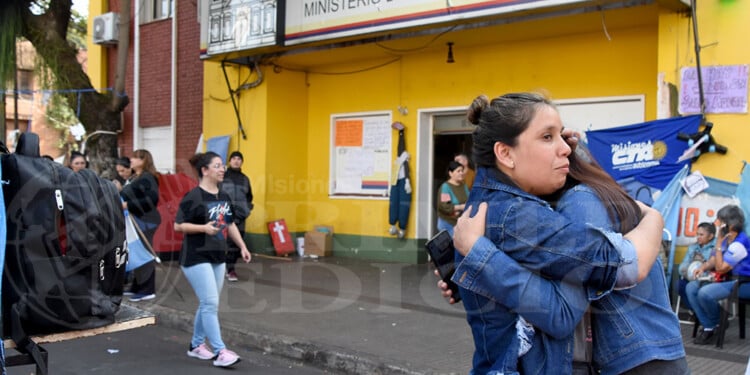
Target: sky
x=81 y=6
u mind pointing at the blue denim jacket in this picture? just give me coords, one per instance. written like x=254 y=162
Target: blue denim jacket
x=525 y=228
x=631 y=326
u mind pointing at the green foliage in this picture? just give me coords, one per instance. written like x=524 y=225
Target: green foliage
x=77 y=29
x=62 y=118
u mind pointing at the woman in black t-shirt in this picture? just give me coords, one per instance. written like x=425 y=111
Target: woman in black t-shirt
x=205 y=217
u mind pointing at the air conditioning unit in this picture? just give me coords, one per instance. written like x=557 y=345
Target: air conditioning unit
x=106 y=28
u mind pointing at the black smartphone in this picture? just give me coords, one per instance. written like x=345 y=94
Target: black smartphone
x=441 y=250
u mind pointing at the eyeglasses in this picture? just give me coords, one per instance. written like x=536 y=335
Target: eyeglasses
x=219 y=167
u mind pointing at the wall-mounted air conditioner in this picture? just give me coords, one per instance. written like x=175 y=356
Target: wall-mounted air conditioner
x=106 y=28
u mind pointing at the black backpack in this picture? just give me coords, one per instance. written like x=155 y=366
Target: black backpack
x=65 y=253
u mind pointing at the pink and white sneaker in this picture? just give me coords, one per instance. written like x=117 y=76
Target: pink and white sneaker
x=201 y=352
x=226 y=358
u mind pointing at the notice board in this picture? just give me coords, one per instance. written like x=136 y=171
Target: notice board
x=360 y=154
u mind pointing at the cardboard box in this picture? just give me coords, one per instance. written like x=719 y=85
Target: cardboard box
x=319 y=241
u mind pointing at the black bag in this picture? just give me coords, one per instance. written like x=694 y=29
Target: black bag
x=65 y=253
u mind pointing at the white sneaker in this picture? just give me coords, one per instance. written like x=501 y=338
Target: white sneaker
x=226 y=358
x=201 y=352
x=393 y=230
x=231 y=276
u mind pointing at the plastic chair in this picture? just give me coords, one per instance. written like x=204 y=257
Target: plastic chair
x=724 y=319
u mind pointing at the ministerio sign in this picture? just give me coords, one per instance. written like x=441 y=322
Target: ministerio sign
x=315 y=20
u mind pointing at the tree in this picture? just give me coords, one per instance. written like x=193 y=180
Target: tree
x=45 y=24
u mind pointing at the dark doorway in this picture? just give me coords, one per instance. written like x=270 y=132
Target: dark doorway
x=447 y=146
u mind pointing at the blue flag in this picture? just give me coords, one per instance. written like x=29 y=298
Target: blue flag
x=743 y=194
x=647 y=152
x=138 y=255
x=3 y=234
x=219 y=145
x=668 y=204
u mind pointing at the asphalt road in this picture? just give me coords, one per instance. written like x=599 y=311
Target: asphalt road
x=151 y=350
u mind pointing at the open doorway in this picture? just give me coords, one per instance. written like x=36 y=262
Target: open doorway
x=451 y=136
x=442 y=133
x=447 y=146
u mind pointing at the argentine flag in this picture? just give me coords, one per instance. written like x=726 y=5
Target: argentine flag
x=668 y=204
x=138 y=254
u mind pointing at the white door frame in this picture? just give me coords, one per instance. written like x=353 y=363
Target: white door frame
x=424 y=157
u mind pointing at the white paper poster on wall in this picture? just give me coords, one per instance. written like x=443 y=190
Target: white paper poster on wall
x=361 y=154
x=724 y=89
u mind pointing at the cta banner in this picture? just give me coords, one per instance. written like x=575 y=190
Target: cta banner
x=647 y=152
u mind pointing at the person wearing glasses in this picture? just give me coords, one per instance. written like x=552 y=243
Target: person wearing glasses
x=206 y=218
x=140 y=197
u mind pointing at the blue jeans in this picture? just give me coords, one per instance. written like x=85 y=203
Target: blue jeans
x=207 y=279
x=705 y=299
x=399 y=204
x=444 y=225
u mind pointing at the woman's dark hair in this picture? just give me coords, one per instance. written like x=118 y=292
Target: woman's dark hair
x=584 y=169
x=501 y=120
x=506 y=117
x=452 y=165
x=148 y=161
x=75 y=155
x=733 y=217
x=708 y=227
x=123 y=162
x=200 y=161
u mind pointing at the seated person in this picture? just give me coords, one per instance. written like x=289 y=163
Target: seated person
x=700 y=251
x=730 y=255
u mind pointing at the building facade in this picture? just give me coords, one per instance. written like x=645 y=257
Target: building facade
x=164 y=78
x=27 y=111
x=316 y=102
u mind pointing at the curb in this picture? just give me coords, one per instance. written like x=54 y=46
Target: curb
x=339 y=360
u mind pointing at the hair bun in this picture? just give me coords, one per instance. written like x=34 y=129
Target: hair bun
x=474 y=113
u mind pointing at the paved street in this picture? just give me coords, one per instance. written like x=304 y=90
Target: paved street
x=345 y=315
x=151 y=350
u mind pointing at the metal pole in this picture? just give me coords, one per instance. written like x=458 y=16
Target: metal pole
x=698 y=58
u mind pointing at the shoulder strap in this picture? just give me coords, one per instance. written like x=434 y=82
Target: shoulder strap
x=23 y=342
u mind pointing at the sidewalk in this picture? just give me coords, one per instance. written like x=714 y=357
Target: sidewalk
x=360 y=317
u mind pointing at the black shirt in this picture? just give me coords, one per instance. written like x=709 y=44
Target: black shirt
x=200 y=207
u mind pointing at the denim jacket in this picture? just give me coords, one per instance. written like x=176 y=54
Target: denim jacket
x=525 y=228
x=509 y=288
x=632 y=326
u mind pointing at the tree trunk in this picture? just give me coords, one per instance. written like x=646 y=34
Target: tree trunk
x=47 y=32
x=123 y=45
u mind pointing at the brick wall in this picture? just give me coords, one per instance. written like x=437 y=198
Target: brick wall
x=155 y=81
x=189 y=85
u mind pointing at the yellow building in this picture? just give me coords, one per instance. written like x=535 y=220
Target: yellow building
x=317 y=102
